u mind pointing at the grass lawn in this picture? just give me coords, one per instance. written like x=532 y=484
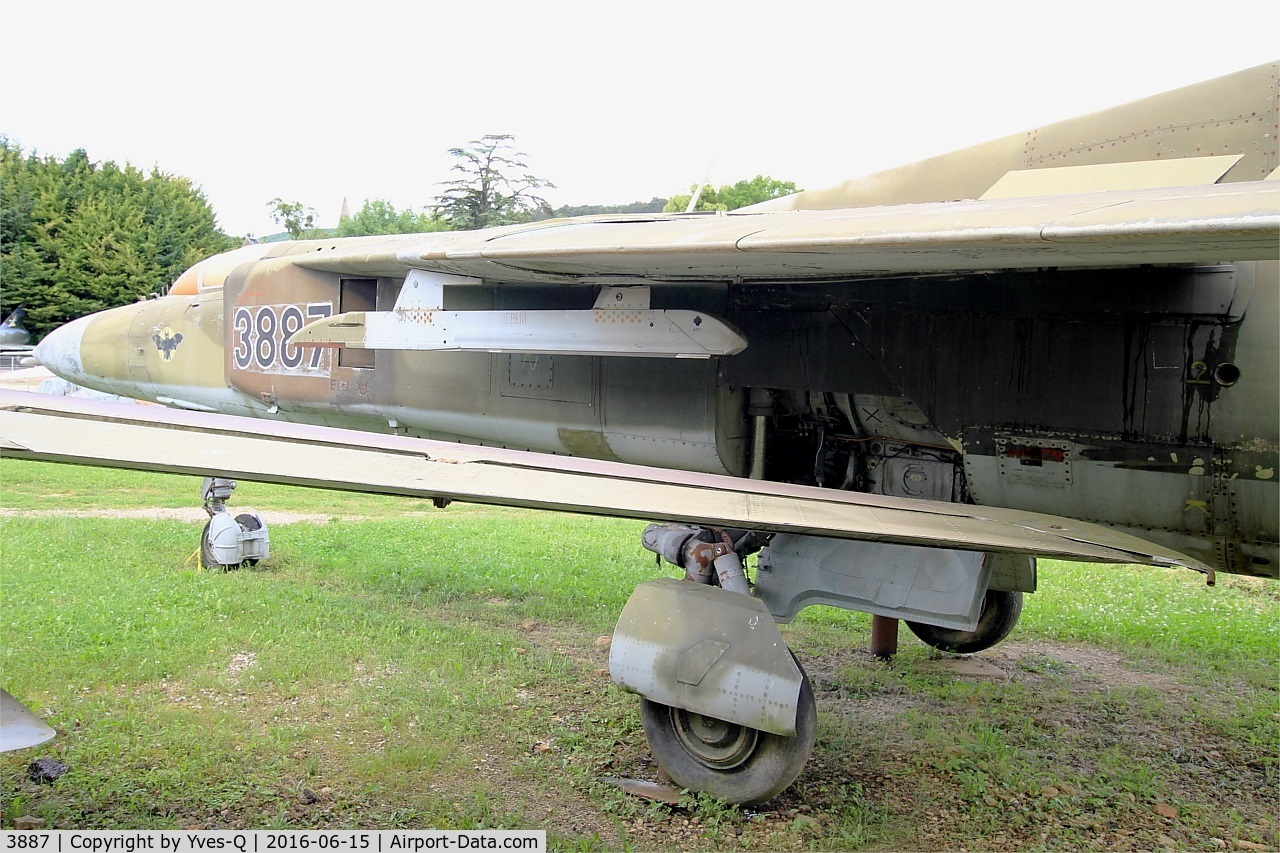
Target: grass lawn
x=392 y=665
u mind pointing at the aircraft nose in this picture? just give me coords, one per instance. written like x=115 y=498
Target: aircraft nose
x=60 y=350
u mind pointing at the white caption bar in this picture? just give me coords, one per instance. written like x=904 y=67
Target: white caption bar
x=266 y=841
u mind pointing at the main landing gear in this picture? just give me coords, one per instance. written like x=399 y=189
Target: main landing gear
x=726 y=707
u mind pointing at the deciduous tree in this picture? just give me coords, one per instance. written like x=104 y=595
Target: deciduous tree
x=653 y=205
x=733 y=196
x=294 y=217
x=381 y=217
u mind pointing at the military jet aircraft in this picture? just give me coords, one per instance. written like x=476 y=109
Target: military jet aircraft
x=15 y=340
x=899 y=392
x=12 y=332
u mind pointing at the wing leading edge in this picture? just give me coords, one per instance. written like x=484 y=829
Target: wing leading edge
x=150 y=438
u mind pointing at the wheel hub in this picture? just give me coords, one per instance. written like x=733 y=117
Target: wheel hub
x=715 y=743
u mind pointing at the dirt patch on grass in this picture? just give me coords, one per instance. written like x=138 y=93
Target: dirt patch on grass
x=1080 y=749
x=1077 y=749
x=1042 y=660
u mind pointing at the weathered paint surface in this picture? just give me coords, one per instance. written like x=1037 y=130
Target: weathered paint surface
x=1108 y=354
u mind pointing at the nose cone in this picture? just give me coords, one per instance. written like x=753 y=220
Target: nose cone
x=60 y=350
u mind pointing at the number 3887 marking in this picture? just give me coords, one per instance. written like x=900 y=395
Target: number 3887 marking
x=259 y=335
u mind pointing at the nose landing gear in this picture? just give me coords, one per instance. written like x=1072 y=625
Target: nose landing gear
x=228 y=543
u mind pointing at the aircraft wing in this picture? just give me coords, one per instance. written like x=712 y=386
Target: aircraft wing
x=60 y=429
x=1193 y=224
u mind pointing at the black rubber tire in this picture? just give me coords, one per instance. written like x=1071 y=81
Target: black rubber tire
x=773 y=763
x=1000 y=612
x=207 y=559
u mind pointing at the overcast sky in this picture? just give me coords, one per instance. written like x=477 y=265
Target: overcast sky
x=613 y=102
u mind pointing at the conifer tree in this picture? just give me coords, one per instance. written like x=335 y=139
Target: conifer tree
x=78 y=236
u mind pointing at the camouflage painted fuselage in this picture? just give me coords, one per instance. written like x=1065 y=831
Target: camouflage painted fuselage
x=1145 y=396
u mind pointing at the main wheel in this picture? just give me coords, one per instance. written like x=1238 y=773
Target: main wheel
x=738 y=764
x=1000 y=612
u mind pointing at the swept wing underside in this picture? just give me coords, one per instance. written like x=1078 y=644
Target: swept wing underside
x=58 y=429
